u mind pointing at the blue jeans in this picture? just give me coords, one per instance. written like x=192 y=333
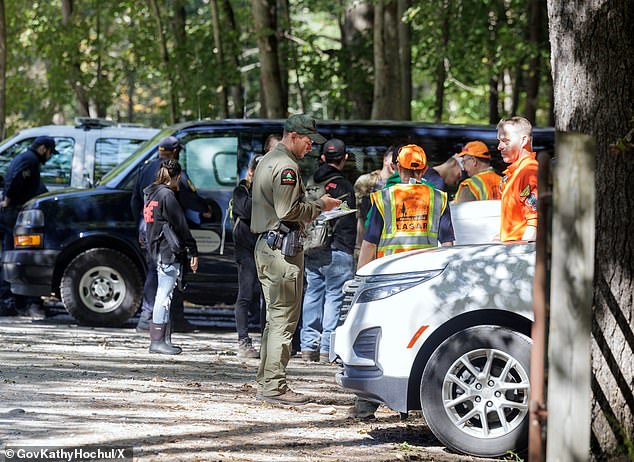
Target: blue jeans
x=167 y=276
x=326 y=272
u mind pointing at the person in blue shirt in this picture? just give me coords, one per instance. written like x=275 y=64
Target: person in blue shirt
x=21 y=184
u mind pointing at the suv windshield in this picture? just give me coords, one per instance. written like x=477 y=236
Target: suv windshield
x=132 y=158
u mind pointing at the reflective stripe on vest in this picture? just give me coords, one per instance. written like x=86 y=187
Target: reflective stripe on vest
x=484 y=185
x=411 y=217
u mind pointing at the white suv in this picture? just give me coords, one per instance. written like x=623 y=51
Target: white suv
x=445 y=330
x=87 y=151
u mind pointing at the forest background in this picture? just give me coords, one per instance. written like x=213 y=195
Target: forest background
x=157 y=62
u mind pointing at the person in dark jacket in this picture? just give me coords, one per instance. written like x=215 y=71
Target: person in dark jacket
x=168 y=238
x=21 y=184
x=249 y=288
x=328 y=269
x=169 y=148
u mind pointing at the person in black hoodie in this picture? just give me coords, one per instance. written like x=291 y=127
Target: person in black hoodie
x=169 y=241
x=328 y=269
x=249 y=288
x=169 y=148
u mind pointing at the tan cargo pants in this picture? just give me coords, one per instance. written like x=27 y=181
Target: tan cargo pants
x=282 y=283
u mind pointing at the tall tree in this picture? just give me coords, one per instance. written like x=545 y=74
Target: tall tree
x=534 y=68
x=592 y=65
x=3 y=68
x=441 y=72
x=165 y=58
x=179 y=60
x=74 y=63
x=388 y=94
x=265 y=17
x=220 y=58
x=232 y=54
x=405 y=58
x=355 y=58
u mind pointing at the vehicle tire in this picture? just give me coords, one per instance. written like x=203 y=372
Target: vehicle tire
x=475 y=391
x=101 y=287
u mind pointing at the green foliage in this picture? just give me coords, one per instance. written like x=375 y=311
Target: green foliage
x=116 y=47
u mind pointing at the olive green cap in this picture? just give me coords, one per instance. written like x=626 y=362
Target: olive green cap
x=304 y=125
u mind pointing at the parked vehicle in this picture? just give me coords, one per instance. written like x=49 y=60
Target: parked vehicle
x=87 y=150
x=87 y=251
x=446 y=330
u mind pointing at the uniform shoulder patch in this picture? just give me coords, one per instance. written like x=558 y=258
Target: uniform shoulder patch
x=26 y=173
x=526 y=191
x=289 y=177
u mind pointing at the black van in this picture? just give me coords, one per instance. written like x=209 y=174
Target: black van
x=81 y=245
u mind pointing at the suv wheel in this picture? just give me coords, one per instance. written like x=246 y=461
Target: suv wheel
x=475 y=391
x=101 y=287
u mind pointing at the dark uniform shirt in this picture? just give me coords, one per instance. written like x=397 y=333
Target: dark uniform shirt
x=22 y=181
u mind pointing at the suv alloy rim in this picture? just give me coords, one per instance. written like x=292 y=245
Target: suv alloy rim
x=102 y=289
x=485 y=393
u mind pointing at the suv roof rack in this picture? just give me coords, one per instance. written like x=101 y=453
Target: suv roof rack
x=88 y=123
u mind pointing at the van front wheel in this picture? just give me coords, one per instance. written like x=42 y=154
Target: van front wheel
x=101 y=287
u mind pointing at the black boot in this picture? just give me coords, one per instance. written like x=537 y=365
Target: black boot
x=158 y=343
x=144 y=321
x=168 y=336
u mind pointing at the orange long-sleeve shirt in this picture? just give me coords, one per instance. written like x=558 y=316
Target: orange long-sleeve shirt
x=519 y=198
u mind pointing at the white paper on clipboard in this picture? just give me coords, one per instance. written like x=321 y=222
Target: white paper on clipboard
x=335 y=213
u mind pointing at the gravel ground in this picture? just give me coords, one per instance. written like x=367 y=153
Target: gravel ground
x=68 y=385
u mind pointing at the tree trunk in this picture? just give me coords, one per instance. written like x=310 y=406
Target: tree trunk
x=165 y=58
x=405 y=59
x=356 y=57
x=534 y=67
x=593 y=64
x=494 y=100
x=387 y=101
x=180 y=61
x=264 y=15
x=3 y=69
x=233 y=50
x=515 y=99
x=74 y=65
x=441 y=72
x=284 y=29
x=220 y=59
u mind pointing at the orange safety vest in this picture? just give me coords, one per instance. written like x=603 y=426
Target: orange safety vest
x=484 y=185
x=519 y=198
x=411 y=217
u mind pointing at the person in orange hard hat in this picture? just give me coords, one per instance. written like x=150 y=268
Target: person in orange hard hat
x=519 y=183
x=483 y=182
x=407 y=216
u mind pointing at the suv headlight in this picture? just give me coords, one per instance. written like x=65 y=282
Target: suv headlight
x=379 y=287
x=30 y=218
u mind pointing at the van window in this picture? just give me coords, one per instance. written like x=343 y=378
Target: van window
x=56 y=172
x=110 y=152
x=211 y=162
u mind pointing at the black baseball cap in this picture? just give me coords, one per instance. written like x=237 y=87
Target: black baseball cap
x=46 y=141
x=303 y=124
x=170 y=143
x=333 y=149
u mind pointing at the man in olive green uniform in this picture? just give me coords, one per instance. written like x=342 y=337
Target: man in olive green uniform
x=279 y=198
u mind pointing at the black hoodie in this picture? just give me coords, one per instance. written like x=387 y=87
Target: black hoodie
x=345 y=228
x=162 y=207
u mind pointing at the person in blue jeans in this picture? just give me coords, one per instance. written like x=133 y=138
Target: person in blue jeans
x=169 y=242
x=329 y=268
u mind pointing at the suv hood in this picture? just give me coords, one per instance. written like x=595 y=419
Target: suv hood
x=440 y=257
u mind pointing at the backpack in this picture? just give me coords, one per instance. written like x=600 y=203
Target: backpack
x=318 y=233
